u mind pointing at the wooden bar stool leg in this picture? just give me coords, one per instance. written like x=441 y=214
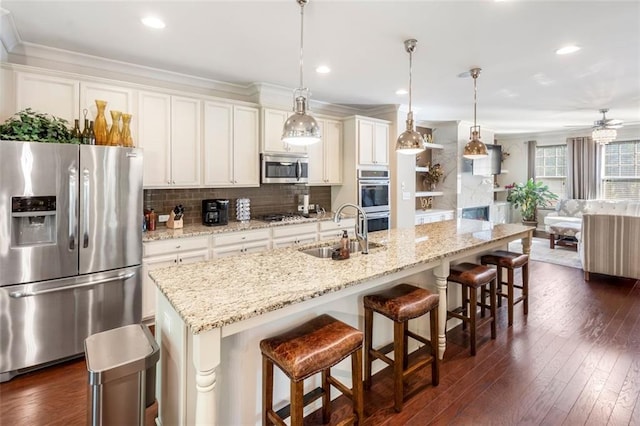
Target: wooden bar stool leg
x=492 y=296
x=405 y=337
x=398 y=352
x=472 y=318
x=368 y=345
x=297 y=403
x=483 y=300
x=525 y=288
x=435 y=368
x=510 y=295
x=499 y=285
x=358 y=394
x=465 y=301
x=326 y=396
x=267 y=389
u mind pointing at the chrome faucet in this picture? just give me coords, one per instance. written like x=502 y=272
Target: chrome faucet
x=363 y=239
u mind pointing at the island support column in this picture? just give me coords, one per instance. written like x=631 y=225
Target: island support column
x=206 y=359
x=526 y=243
x=441 y=273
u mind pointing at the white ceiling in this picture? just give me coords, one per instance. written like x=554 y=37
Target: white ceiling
x=524 y=86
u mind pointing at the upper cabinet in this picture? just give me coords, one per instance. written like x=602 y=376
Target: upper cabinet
x=169 y=129
x=117 y=98
x=325 y=157
x=231 y=156
x=372 y=138
x=54 y=95
x=272 y=124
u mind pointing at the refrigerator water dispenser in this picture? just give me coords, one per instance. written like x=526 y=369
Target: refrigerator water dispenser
x=33 y=221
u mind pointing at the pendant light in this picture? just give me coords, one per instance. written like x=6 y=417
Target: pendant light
x=301 y=128
x=475 y=148
x=410 y=142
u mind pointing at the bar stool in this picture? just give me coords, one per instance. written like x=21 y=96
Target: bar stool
x=471 y=277
x=311 y=348
x=400 y=304
x=511 y=261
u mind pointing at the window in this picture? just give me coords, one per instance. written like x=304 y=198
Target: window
x=621 y=171
x=551 y=167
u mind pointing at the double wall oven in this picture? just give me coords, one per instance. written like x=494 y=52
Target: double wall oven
x=373 y=197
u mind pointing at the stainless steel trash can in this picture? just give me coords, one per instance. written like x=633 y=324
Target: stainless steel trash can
x=121 y=365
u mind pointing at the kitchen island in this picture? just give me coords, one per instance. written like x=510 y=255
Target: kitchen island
x=211 y=315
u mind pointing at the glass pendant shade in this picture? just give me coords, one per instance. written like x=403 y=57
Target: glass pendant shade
x=475 y=149
x=301 y=128
x=604 y=136
x=410 y=142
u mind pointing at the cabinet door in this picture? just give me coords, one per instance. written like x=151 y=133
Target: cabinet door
x=366 y=135
x=381 y=144
x=317 y=158
x=218 y=144
x=117 y=98
x=52 y=95
x=193 y=256
x=257 y=246
x=185 y=141
x=148 y=286
x=154 y=128
x=294 y=240
x=228 y=250
x=272 y=124
x=332 y=141
x=246 y=158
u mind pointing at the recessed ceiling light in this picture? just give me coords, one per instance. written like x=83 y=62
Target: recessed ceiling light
x=323 y=69
x=153 y=22
x=567 y=49
x=401 y=92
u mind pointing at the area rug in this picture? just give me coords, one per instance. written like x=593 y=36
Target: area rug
x=540 y=251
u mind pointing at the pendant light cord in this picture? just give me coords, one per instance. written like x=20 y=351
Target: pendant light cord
x=475 y=98
x=301 y=43
x=410 y=73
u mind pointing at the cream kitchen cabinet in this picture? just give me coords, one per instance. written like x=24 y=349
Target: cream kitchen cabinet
x=57 y=96
x=329 y=230
x=161 y=254
x=117 y=98
x=294 y=235
x=425 y=216
x=272 y=123
x=231 y=156
x=169 y=132
x=372 y=137
x=325 y=157
x=242 y=242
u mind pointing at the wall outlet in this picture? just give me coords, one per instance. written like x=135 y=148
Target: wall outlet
x=300 y=208
x=163 y=218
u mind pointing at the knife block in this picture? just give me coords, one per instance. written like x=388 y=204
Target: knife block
x=172 y=223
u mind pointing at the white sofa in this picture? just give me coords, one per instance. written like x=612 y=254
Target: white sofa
x=571 y=210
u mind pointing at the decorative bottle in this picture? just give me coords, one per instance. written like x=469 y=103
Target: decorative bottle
x=127 y=140
x=86 y=133
x=114 y=134
x=92 y=135
x=76 y=136
x=100 y=126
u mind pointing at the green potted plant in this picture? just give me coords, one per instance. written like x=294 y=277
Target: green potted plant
x=528 y=197
x=28 y=125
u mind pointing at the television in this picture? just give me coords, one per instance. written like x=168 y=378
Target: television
x=490 y=165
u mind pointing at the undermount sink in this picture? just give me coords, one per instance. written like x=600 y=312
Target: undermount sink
x=326 y=251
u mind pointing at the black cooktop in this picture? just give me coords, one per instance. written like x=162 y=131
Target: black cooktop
x=279 y=217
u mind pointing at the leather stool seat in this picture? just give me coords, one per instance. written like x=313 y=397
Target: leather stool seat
x=311 y=348
x=511 y=261
x=400 y=304
x=471 y=277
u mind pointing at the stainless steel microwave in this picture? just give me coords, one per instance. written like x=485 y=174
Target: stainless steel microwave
x=284 y=168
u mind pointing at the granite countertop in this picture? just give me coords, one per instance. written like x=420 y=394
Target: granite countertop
x=219 y=292
x=164 y=233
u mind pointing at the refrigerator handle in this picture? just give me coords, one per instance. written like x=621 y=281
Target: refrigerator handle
x=86 y=196
x=22 y=294
x=73 y=193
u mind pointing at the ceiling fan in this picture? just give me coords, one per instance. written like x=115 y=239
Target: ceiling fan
x=604 y=130
x=606 y=123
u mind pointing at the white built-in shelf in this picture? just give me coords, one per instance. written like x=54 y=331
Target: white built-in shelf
x=433 y=146
x=429 y=193
x=422 y=169
x=499 y=190
x=504 y=172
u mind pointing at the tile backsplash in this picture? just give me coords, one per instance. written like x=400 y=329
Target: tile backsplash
x=271 y=198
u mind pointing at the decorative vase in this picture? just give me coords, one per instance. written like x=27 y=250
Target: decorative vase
x=100 y=125
x=127 y=140
x=433 y=186
x=114 y=133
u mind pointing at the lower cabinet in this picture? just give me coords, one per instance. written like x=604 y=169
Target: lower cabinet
x=436 y=216
x=329 y=230
x=295 y=235
x=236 y=243
x=161 y=254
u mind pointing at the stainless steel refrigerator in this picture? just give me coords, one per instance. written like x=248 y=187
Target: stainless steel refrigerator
x=70 y=248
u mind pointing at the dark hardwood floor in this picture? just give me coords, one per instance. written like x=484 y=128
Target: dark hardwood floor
x=575 y=359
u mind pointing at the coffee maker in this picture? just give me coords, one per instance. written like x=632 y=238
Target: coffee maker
x=215 y=212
